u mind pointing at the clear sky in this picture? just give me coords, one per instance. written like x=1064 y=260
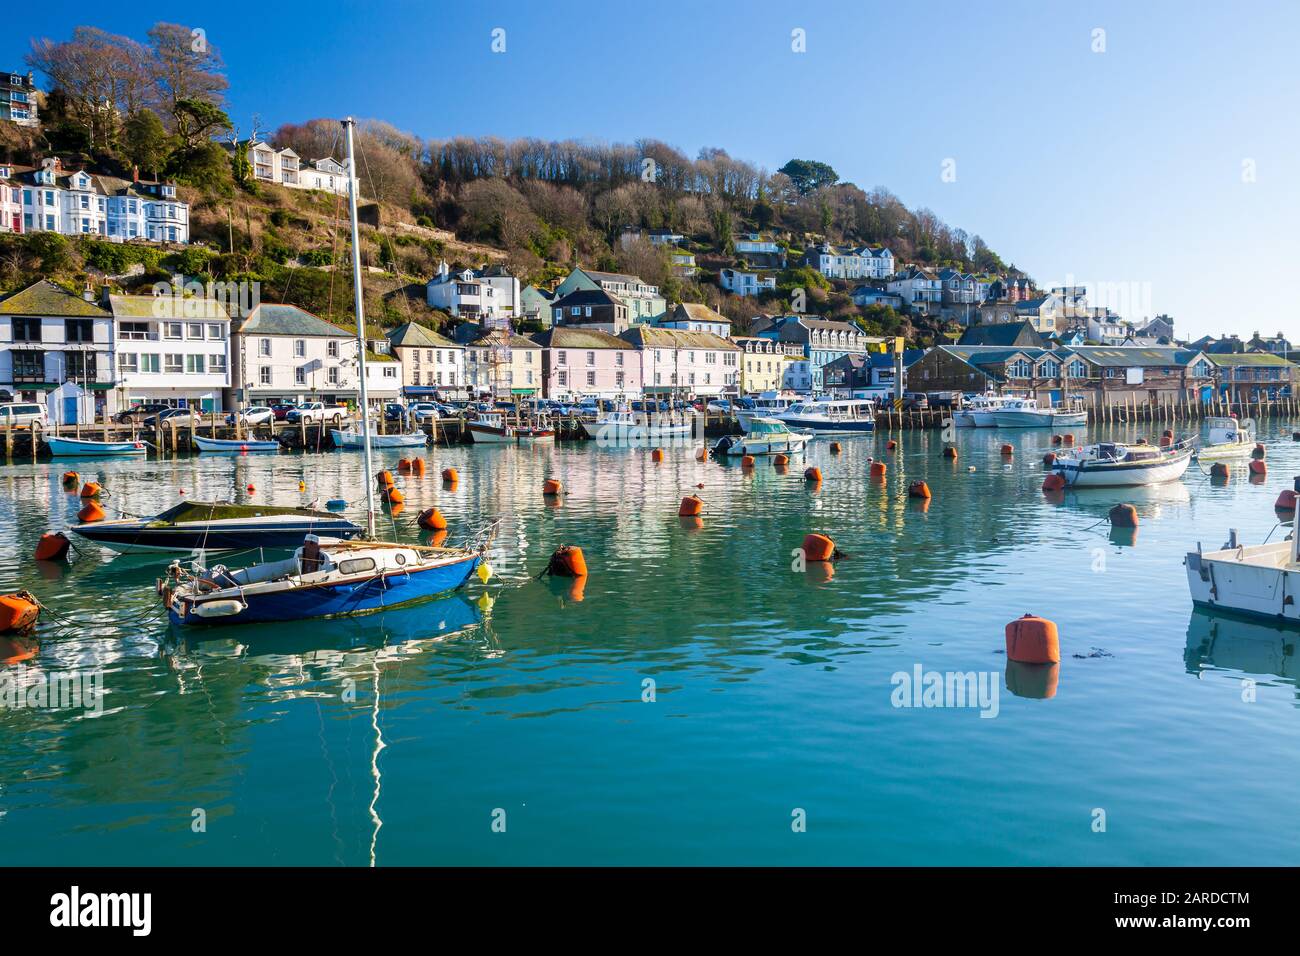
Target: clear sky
x=1164 y=167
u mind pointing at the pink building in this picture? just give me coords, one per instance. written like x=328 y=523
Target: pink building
x=11 y=202
x=685 y=363
x=587 y=363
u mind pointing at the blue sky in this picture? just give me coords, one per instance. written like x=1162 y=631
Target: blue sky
x=1123 y=167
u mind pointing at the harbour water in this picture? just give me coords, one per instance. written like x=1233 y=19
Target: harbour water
x=697 y=701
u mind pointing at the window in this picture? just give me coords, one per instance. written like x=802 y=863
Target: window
x=300 y=375
x=79 y=330
x=216 y=362
x=195 y=365
x=561 y=358
x=172 y=330
x=150 y=362
x=618 y=358
x=194 y=330
x=128 y=362
x=591 y=358
x=299 y=348
x=562 y=378
x=591 y=378
x=332 y=349
x=264 y=375
x=332 y=375
x=27 y=329
x=1019 y=369
x=214 y=331
x=28 y=366
x=173 y=363
x=264 y=347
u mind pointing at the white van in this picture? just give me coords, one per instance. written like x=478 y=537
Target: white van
x=23 y=415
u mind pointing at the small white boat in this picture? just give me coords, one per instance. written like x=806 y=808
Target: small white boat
x=831 y=416
x=1115 y=465
x=1027 y=413
x=624 y=427
x=766 y=436
x=766 y=405
x=979 y=413
x=235 y=445
x=84 y=447
x=349 y=438
x=1229 y=438
x=1260 y=580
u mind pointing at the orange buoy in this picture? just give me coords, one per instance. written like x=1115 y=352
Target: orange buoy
x=431 y=519
x=812 y=474
x=1257 y=467
x=950 y=452
x=404 y=466
x=1056 y=439
x=1124 y=516
x=70 y=480
x=439 y=538
x=701 y=454
x=818 y=547
x=52 y=547
x=891 y=445
x=1219 y=470
x=393 y=496
x=1068 y=438
x=1049 y=458
x=384 y=479
x=18 y=611
x=552 y=487
x=877 y=469
x=1286 y=500
x=657 y=455
x=1258 y=451
x=780 y=461
x=1167 y=433
x=417 y=467
x=1008 y=451
x=1033 y=640
x=747 y=461
x=567 y=562
x=91 y=512
x=577 y=589
x=1053 y=482
x=450 y=476
x=91 y=489
x=918 y=489
x=690 y=507
x=836 y=448
x=1033 y=681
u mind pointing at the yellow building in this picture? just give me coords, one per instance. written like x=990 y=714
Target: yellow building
x=762 y=364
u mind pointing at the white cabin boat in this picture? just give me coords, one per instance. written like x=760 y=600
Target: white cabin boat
x=1115 y=465
x=766 y=436
x=1027 y=413
x=625 y=427
x=831 y=416
x=766 y=405
x=979 y=413
x=355 y=438
x=1229 y=438
x=1260 y=580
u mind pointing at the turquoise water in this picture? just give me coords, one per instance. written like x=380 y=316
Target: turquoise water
x=401 y=737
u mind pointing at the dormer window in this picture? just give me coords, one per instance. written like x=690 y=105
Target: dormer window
x=169 y=191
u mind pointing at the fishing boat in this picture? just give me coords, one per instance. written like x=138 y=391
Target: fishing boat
x=1229 y=438
x=1260 y=580
x=326 y=575
x=831 y=416
x=68 y=447
x=979 y=413
x=1115 y=465
x=492 y=428
x=766 y=436
x=626 y=427
x=210 y=526
x=235 y=445
x=766 y=405
x=1027 y=413
x=349 y=438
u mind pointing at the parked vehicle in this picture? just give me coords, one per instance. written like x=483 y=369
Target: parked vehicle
x=424 y=411
x=23 y=415
x=256 y=415
x=282 y=410
x=944 y=399
x=137 y=413
x=183 y=416
x=915 y=401
x=317 y=413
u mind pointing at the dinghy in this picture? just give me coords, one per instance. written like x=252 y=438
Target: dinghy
x=1116 y=465
x=347 y=438
x=1229 y=438
x=67 y=447
x=234 y=445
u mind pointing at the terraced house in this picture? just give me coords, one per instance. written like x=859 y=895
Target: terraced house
x=643 y=301
x=171 y=350
x=841 y=262
x=431 y=362
x=18 y=99
x=1254 y=376
x=674 y=362
x=821 y=341
x=580 y=363
x=762 y=364
x=78 y=202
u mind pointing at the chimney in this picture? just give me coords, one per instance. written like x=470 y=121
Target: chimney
x=135 y=173
x=88 y=293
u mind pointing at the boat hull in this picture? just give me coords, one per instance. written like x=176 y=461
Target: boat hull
x=347 y=439
x=490 y=435
x=828 y=426
x=191 y=537
x=234 y=445
x=1252 y=580
x=763 y=445
x=375 y=593
x=76 y=447
x=1088 y=474
x=1041 y=419
x=1225 y=450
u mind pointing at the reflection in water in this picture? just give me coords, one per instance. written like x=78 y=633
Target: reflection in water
x=1228 y=642
x=1033 y=681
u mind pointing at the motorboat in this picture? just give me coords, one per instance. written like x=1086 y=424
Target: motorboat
x=766 y=436
x=492 y=428
x=324 y=577
x=1113 y=464
x=70 y=447
x=979 y=412
x=831 y=416
x=210 y=526
x=1229 y=438
x=1260 y=580
x=624 y=427
x=766 y=405
x=350 y=438
x=1027 y=413
x=234 y=445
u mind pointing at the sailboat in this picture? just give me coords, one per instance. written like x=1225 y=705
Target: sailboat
x=326 y=576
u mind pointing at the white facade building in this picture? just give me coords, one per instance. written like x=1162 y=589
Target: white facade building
x=746 y=283
x=838 y=262
x=82 y=203
x=489 y=295
x=686 y=363
x=171 y=349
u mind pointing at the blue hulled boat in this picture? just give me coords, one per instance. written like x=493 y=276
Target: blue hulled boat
x=208 y=526
x=82 y=448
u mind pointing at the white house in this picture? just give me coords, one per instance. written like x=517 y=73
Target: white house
x=919 y=289
x=866 y=295
x=325 y=174
x=694 y=317
x=82 y=203
x=284 y=353
x=746 y=283
x=490 y=294
x=431 y=363
x=840 y=262
x=171 y=349
x=51 y=340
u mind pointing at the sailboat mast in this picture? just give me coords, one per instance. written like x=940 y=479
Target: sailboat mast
x=348 y=124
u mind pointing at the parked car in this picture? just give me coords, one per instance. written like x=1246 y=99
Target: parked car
x=24 y=415
x=915 y=401
x=720 y=405
x=137 y=413
x=255 y=415
x=317 y=413
x=282 y=410
x=394 y=412
x=424 y=411
x=182 y=416
x=944 y=399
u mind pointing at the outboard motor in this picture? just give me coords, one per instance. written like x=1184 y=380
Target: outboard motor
x=725 y=443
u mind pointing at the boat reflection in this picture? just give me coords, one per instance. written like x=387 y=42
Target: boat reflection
x=1228 y=642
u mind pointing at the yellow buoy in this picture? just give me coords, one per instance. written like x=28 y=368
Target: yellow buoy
x=484 y=572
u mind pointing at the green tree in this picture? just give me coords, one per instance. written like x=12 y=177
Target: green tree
x=145 y=141
x=808 y=175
